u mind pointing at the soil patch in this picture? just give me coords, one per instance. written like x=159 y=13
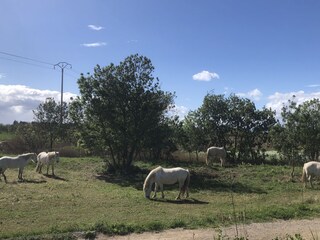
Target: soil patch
x=307 y=229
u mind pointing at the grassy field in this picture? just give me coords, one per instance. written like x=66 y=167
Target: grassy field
x=80 y=198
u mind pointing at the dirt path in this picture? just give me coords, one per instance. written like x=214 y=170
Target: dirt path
x=308 y=229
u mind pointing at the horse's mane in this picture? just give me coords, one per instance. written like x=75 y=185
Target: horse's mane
x=150 y=176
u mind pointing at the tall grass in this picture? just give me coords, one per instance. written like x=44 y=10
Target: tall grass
x=80 y=198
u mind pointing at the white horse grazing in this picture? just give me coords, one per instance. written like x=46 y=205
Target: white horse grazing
x=47 y=159
x=161 y=176
x=216 y=153
x=310 y=170
x=19 y=161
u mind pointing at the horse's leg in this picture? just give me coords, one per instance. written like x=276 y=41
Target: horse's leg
x=161 y=188
x=20 y=174
x=4 y=176
x=155 y=190
x=48 y=169
x=178 y=197
x=310 y=180
x=40 y=168
x=186 y=191
x=52 y=169
x=180 y=190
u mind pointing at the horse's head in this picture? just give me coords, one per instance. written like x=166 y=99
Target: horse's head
x=147 y=186
x=147 y=191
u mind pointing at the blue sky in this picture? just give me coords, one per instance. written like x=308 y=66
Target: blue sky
x=263 y=50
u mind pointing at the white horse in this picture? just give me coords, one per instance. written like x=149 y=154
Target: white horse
x=161 y=176
x=216 y=153
x=19 y=161
x=310 y=170
x=47 y=159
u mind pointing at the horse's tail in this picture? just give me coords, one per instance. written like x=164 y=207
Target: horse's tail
x=186 y=183
x=304 y=175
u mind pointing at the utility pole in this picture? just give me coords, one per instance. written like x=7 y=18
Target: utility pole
x=62 y=66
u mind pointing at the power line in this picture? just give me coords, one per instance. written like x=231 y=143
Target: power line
x=28 y=63
x=26 y=58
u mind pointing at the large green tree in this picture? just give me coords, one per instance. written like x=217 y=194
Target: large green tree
x=192 y=134
x=48 y=116
x=299 y=130
x=119 y=107
x=233 y=123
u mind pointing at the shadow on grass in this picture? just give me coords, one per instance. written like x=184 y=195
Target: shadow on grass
x=202 y=178
x=55 y=177
x=129 y=180
x=203 y=181
x=35 y=181
x=181 y=201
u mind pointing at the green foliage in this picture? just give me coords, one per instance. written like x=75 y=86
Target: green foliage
x=121 y=110
x=192 y=134
x=31 y=136
x=299 y=132
x=49 y=118
x=233 y=123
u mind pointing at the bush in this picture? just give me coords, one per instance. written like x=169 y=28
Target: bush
x=72 y=151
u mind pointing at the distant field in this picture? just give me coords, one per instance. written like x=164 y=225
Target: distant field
x=79 y=199
x=4 y=136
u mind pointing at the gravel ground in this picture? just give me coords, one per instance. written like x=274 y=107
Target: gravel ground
x=308 y=229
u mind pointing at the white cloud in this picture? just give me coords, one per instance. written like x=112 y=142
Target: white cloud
x=18 y=101
x=255 y=94
x=180 y=111
x=277 y=100
x=2 y=75
x=313 y=85
x=205 y=76
x=96 y=44
x=95 y=27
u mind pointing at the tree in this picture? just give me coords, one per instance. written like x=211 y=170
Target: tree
x=233 y=123
x=299 y=131
x=308 y=125
x=31 y=137
x=47 y=115
x=119 y=107
x=214 y=114
x=193 y=132
x=249 y=128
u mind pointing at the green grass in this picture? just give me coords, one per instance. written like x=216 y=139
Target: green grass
x=79 y=199
x=5 y=136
